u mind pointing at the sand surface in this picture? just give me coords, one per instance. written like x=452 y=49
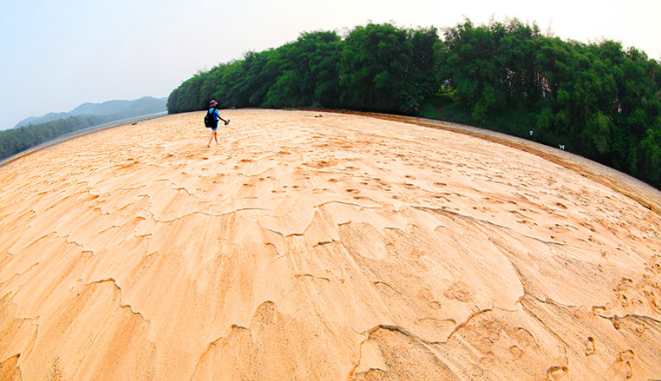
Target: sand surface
x=326 y=246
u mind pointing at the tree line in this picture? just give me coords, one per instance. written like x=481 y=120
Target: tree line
x=596 y=99
x=376 y=67
x=19 y=139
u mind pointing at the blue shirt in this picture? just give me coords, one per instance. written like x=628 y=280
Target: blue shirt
x=216 y=114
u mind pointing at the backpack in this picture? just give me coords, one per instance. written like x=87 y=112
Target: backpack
x=210 y=119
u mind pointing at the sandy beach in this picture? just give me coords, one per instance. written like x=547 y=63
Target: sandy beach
x=324 y=246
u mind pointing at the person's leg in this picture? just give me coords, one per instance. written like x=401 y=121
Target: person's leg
x=213 y=132
x=215 y=136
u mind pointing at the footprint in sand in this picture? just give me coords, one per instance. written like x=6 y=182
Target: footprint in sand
x=516 y=352
x=626 y=356
x=589 y=347
x=435 y=305
x=458 y=291
x=556 y=372
x=392 y=251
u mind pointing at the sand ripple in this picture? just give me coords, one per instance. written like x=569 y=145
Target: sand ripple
x=327 y=246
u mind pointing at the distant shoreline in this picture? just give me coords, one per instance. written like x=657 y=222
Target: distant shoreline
x=637 y=190
x=81 y=132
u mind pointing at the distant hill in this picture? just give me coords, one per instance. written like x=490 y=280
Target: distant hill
x=34 y=131
x=118 y=108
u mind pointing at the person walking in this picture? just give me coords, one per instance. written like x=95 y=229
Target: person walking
x=216 y=117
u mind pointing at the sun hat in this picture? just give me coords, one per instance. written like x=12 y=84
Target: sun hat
x=212 y=103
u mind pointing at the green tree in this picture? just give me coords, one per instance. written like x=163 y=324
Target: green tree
x=310 y=72
x=493 y=67
x=650 y=149
x=597 y=99
x=374 y=64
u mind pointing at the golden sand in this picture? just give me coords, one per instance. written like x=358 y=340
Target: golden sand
x=325 y=246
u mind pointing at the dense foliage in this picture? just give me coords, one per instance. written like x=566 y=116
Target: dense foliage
x=595 y=99
x=376 y=67
x=19 y=139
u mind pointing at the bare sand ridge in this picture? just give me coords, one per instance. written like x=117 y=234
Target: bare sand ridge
x=333 y=247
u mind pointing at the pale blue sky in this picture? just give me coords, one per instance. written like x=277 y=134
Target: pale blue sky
x=55 y=55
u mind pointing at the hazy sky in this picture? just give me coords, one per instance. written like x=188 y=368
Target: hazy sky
x=55 y=55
